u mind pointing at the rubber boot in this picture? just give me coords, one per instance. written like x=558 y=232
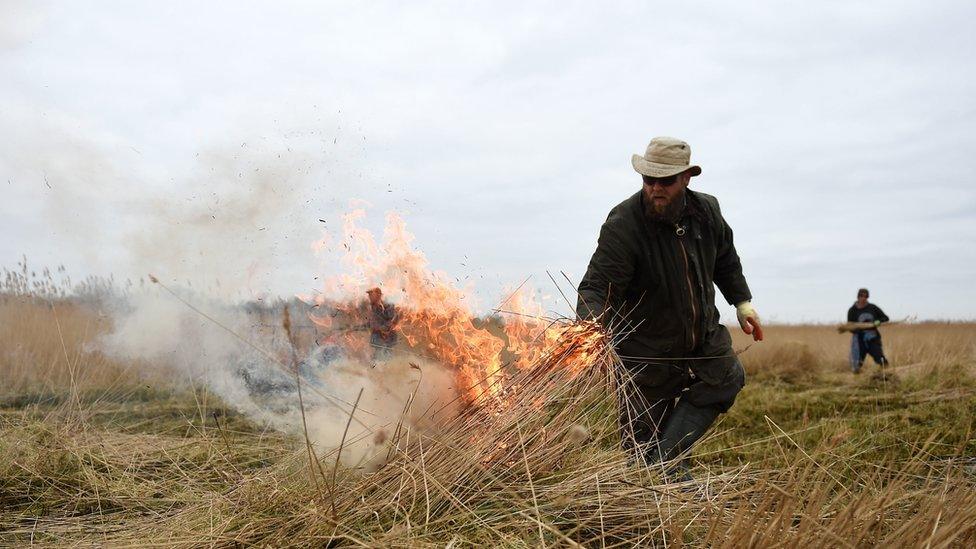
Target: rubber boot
x=687 y=424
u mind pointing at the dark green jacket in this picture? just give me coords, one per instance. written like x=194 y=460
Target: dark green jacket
x=659 y=286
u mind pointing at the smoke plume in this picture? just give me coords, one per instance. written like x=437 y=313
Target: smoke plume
x=252 y=366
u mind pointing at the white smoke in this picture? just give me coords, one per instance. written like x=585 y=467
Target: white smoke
x=400 y=394
x=249 y=365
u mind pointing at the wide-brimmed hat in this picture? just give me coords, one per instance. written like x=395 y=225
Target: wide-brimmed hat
x=665 y=156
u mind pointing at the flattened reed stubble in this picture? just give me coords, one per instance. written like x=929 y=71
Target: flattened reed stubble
x=816 y=459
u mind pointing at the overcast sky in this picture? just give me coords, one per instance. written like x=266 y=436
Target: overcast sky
x=207 y=139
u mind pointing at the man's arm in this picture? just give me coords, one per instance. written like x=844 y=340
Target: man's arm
x=730 y=281
x=728 y=268
x=610 y=271
x=851 y=315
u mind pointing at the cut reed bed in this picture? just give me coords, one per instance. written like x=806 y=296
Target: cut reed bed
x=809 y=455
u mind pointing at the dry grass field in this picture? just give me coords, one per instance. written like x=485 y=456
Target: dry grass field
x=94 y=451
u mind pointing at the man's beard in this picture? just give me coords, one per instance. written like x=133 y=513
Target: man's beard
x=666 y=212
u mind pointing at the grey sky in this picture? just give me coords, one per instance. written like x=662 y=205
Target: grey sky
x=838 y=137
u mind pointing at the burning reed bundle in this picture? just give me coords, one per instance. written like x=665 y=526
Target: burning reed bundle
x=519 y=442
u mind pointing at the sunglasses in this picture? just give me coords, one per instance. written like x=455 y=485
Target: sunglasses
x=662 y=181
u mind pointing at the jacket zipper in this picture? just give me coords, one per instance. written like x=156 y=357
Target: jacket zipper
x=691 y=293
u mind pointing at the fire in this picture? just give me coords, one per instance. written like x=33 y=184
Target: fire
x=435 y=318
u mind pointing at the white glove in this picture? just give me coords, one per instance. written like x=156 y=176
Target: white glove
x=749 y=320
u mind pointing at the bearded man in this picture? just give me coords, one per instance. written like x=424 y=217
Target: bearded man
x=651 y=282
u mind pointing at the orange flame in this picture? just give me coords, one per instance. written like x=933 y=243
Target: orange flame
x=435 y=318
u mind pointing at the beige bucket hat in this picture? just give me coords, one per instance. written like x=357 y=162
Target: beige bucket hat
x=665 y=156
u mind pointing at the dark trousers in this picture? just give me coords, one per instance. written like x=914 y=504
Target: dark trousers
x=870 y=346
x=642 y=417
x=709 y=377
x=646 y=401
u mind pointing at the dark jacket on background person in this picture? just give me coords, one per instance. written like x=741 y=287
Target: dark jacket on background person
x=382 y=320
x=869 y=313
x=654 y=284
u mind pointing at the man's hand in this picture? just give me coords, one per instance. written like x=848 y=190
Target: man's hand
x=749 y=320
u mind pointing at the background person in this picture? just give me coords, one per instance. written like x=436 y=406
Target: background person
x=382 y=321
x=866 y=341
